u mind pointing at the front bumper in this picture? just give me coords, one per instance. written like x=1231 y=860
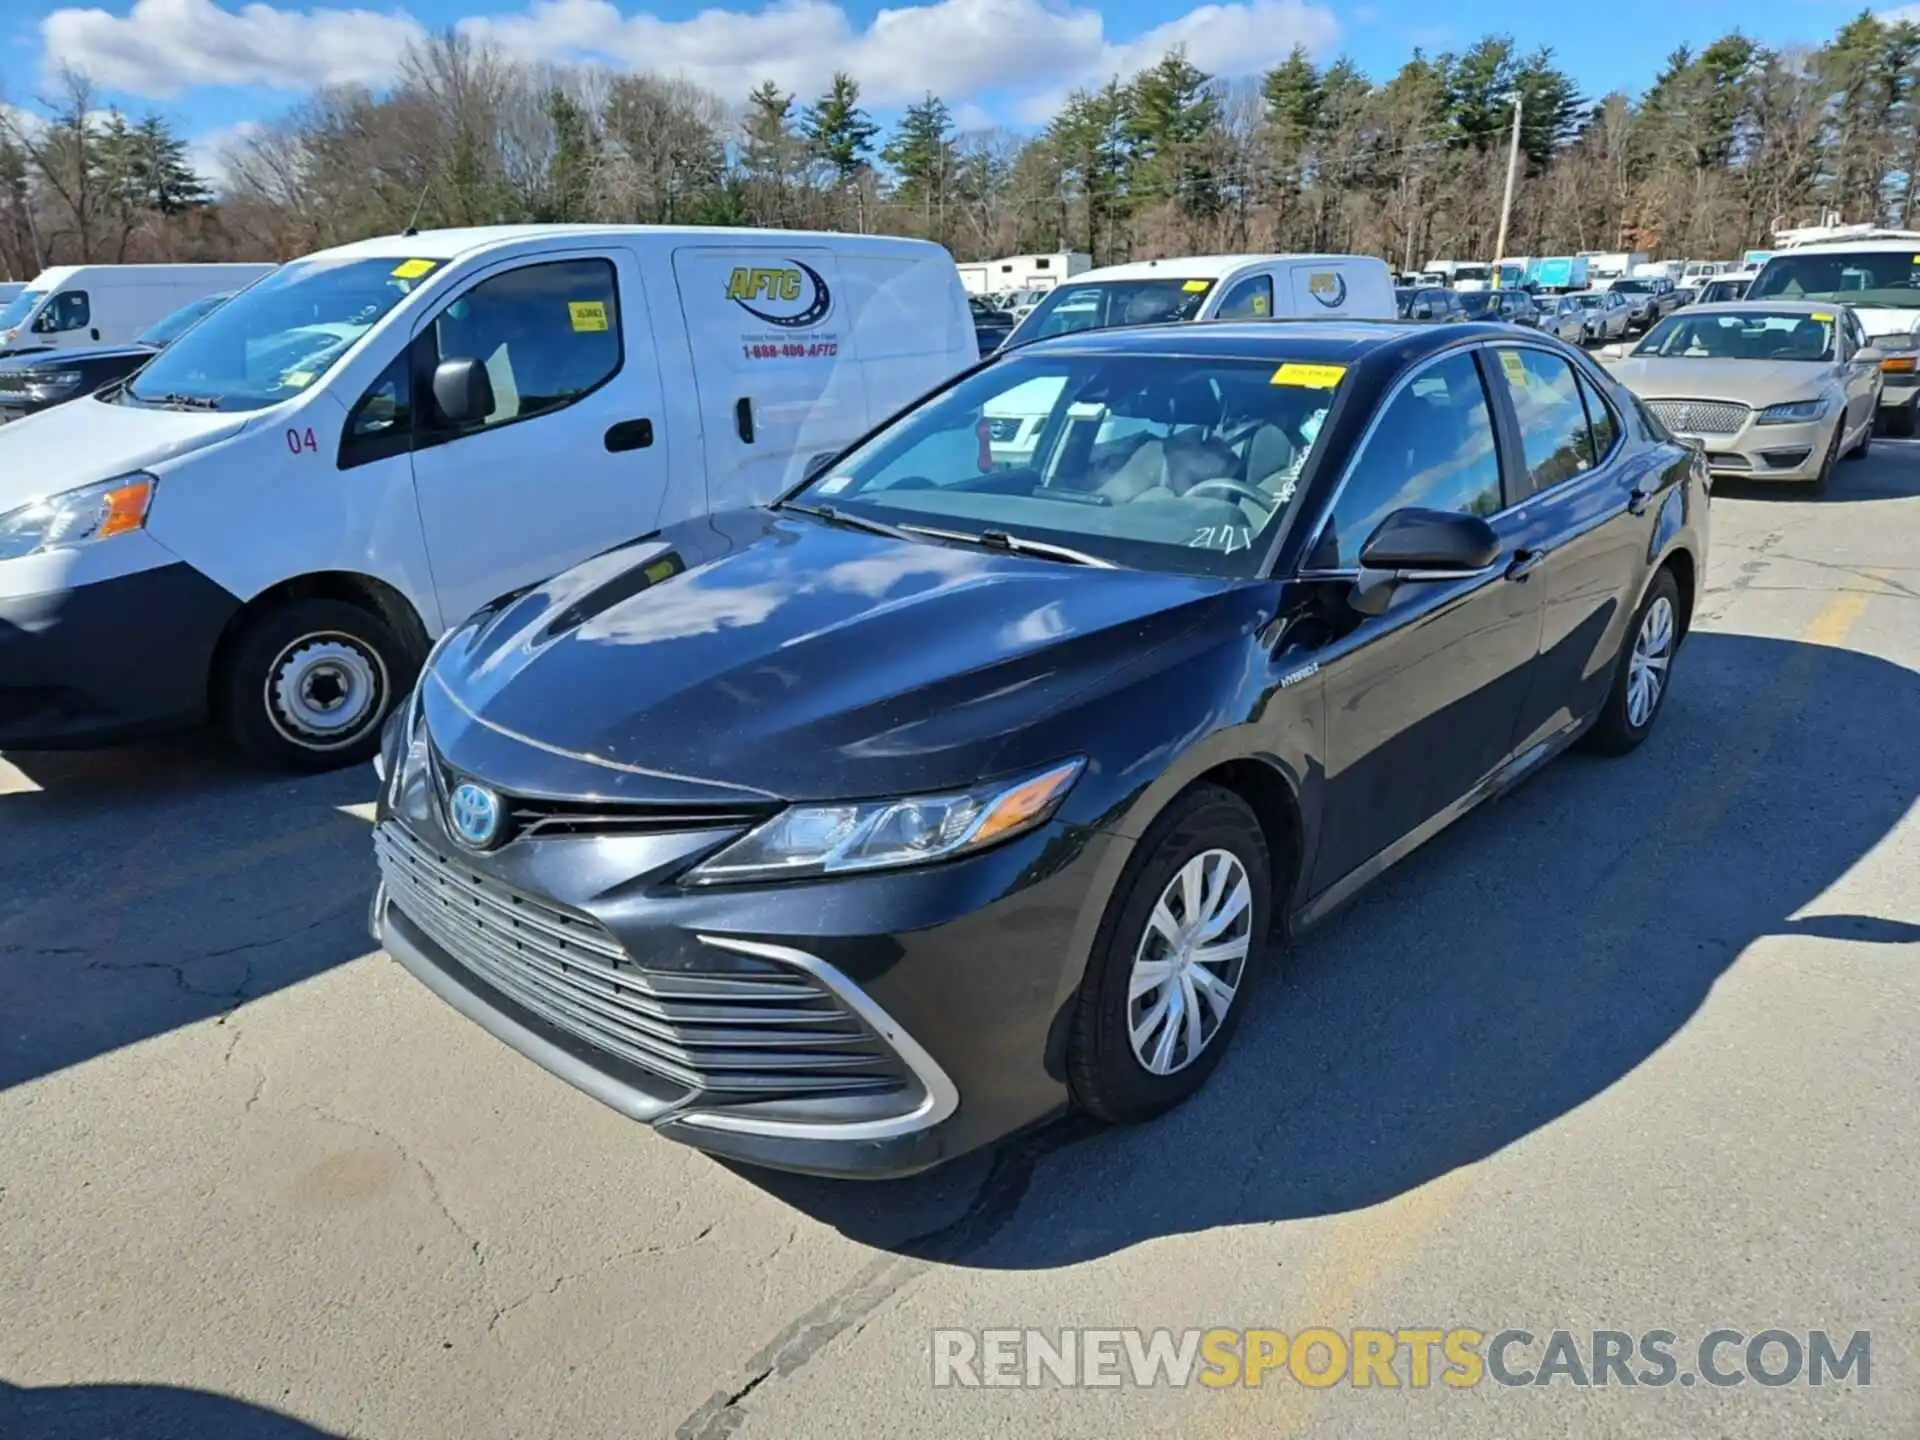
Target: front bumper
x=1768 y=452
x=954 y=975
x=105 y=643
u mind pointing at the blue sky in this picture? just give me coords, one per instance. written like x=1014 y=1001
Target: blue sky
x=218 y=66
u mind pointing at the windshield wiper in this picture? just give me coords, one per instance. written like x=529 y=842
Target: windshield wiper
x=1016 y=545
x=179 y=402
x=845 y=517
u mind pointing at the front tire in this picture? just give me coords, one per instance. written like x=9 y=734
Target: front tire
x=1184 y=934
x=1644 y=671
x=307 y=684
x=1817 y=487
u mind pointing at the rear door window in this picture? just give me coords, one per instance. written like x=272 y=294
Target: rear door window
x=1554 y=435
x=1250 y=299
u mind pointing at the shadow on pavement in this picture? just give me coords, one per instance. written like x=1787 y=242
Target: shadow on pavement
x=150 y=886
x=140 y=1412
x=1510 y=972
x=1890 y=472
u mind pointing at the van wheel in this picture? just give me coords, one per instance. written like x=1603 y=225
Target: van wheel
x=307 y=685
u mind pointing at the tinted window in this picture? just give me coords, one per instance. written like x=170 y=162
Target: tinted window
x=1743 y=335
x=1553 y=419
x=1606 y=429
x=1433 y=447
x=382 y=422
x=1251 y=299
x=69 y=310
x=1072 y=308
x=1886 y=278
x=546 y=333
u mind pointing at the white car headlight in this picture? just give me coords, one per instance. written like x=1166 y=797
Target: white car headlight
x=814 y=840
x=1793 y=412
x=77 y=517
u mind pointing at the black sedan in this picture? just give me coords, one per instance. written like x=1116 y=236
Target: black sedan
x=34 y=381
x=1429 y=302
x=853 y=833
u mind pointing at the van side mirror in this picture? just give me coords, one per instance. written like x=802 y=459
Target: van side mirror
x=462 y=391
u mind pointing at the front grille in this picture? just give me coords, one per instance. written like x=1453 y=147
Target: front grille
x=757 y=1029
x=1700 y=417
x=1003 y=430
x=13 y=383
x=528 y=815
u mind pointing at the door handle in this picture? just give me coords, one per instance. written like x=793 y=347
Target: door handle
x=1523 y=564
x=630 y=435
x=743 y=419
x=1638 y=500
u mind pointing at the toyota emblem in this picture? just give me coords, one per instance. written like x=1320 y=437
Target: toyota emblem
x=473 y=814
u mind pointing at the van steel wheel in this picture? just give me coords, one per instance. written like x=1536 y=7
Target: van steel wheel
x=1184 y=934
x=308 y=684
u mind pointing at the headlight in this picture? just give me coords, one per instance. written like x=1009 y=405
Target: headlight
x=1793 y=412
x=813 y=840
x=54 y=379
x=77 y=517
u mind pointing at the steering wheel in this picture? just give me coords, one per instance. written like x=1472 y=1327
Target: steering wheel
x=1236 y=490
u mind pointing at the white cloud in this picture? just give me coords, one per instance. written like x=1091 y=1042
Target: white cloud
x=208 y=153
x=953 y=48
x=161 y=47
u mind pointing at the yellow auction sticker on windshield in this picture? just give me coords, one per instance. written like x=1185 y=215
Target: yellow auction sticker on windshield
x=413 y=269
x=1194 y=287
x=588 y=315
x=1308 y=377
x=1515 y=367
x=1824 y=316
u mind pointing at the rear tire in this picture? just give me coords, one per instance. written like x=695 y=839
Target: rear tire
x=1193 y=908
x=307 y=685
x=1646 y=658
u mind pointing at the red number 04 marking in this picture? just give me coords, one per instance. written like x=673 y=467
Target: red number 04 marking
x=298 y=440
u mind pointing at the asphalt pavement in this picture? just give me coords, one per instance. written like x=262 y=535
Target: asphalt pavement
x=1633 y=1049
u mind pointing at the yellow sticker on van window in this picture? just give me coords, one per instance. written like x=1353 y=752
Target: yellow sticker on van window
x=413 y=269
x=1826 y=317
x=1308 y=377
x=1515 y=367
x=1194 y=287
x=588 y=314
x=1323 y=282
x=1259 y=304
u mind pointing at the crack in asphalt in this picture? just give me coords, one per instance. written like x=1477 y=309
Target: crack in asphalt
x=560 y=1281
x=992 y=1208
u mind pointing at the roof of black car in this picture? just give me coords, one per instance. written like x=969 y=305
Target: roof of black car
x=1331 y=341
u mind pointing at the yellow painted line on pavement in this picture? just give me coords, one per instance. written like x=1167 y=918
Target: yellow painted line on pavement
x=1369 y=1247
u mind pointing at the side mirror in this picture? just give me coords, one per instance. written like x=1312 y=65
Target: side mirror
x=1417 y=544
x=1619 y=350
x=462 y=391
x=1871 y=355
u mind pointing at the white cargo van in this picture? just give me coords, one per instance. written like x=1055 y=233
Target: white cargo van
x=1876 y=275
x=72 y=305
x=1197 y=287
x=272 y=520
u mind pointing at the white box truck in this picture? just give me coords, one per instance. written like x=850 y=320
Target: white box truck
x=73 y=305
x=272 y=521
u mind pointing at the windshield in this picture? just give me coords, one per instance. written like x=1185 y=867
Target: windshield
x=165 y=331
x=20 y=307
x=1473 y=272
x=1587 y=302
x=1153 y=462
x=277 y=337
x=1742 y=335
x=1888 y=278
x=1480 y=303
x=1631 y=287
x=1108 y=303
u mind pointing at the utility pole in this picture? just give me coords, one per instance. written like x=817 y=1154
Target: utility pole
x=1513 y=171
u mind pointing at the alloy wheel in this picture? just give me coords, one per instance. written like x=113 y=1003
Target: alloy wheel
x=1647 y=669
x=1189 y=963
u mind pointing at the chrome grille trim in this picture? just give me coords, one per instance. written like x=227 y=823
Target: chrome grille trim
x=1701 y=417
x=775 y=1033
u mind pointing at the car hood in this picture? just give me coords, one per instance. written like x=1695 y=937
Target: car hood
x=1748 y=382
x=54 y=359
x=763 y=651
x=87 y=440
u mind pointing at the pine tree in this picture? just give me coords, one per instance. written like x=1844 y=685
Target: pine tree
x=1088 y=139
x=921 y=155
x=166 y=181
x=838 y=131
x=576 y=152
x=1172 y=128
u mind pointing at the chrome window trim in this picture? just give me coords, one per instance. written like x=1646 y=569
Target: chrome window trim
x=1366 y=438
x=939 y=1096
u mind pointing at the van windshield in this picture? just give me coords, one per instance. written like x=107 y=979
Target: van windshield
x=1886 y=278
x=20 y=307
x=1107 y=303
x=277 y=337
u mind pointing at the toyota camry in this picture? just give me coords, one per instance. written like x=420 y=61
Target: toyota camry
x=955 y=790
